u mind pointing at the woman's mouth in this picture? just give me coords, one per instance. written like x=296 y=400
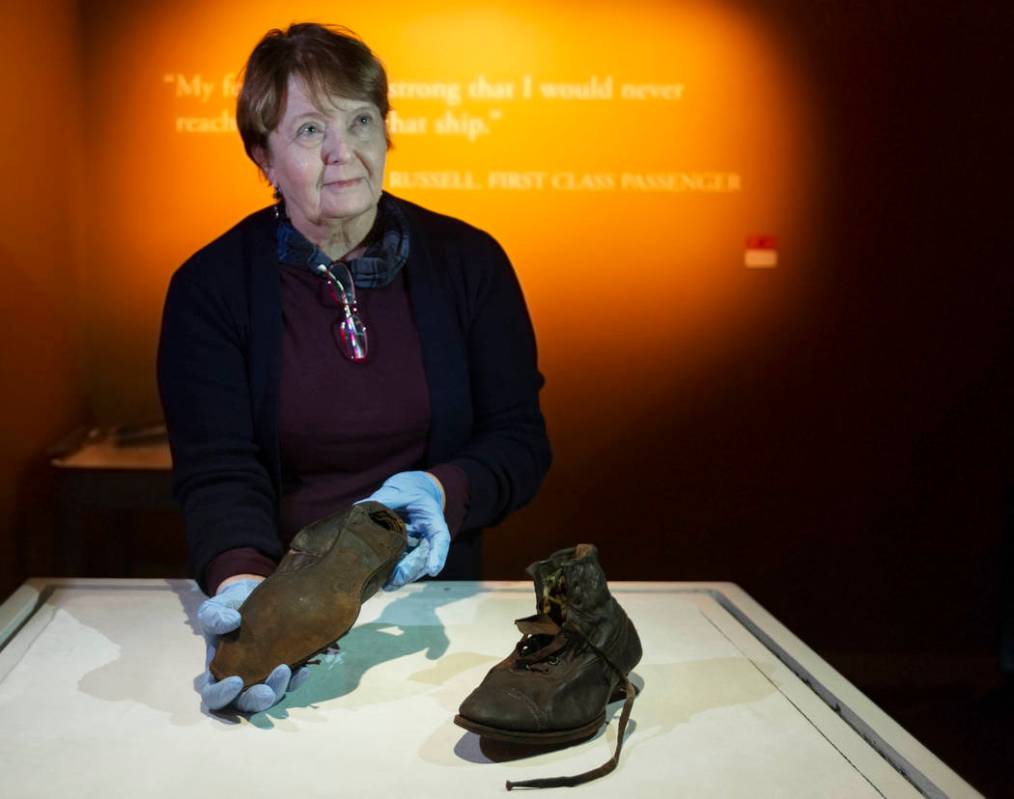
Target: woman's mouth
x=342 y=184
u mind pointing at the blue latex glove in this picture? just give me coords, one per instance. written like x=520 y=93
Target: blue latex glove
x=418 y=499
x=219 y=615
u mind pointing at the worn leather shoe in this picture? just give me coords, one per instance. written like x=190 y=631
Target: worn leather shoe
x=574 y=657
x=314 y=596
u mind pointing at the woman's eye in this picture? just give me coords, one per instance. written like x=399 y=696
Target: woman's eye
x=364 y=120
x=309 y=129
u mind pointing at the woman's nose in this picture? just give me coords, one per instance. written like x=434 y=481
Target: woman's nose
x=336 y=149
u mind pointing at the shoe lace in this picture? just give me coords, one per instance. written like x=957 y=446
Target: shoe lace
x=541 y=645
x=543 y=640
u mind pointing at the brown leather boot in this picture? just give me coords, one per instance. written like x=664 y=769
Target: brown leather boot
x=314 y=596
x=573 y=659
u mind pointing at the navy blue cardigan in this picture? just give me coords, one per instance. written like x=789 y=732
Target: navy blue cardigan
x=219 y=366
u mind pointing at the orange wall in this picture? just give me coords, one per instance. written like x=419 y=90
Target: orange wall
x=43 y=398
x=634 y=293
x=622 y=283
x=638 y=296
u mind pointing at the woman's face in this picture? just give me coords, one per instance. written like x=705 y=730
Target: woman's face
x=327 y=162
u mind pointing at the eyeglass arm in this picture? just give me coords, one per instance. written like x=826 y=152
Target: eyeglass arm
x=329 y=276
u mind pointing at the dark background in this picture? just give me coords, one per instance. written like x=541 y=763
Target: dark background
x=852 y=471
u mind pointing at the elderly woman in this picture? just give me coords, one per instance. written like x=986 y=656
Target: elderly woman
x=340 y=345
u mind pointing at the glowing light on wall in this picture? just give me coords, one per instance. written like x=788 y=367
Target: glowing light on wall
x=621 y=157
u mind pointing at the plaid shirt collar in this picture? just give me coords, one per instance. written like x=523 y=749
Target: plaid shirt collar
x=385 y=254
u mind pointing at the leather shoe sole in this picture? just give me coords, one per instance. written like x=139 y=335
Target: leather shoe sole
x=293 y=615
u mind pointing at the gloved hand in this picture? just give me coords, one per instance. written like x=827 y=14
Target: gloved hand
x=418 y=498
x=218 y=615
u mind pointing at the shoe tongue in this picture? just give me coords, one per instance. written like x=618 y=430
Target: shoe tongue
x=548 y=576
x=571 y=588
x=582 y=551
x=572 y=575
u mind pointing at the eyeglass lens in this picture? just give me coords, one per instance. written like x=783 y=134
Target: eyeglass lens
x=350 y=331
x=351 y=337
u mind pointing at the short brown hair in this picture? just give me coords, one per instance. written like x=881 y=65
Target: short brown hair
x=332 y=60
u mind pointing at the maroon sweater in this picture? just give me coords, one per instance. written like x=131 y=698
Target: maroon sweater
x=345 y=427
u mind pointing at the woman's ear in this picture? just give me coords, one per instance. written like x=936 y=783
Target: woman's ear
x=260 y=156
